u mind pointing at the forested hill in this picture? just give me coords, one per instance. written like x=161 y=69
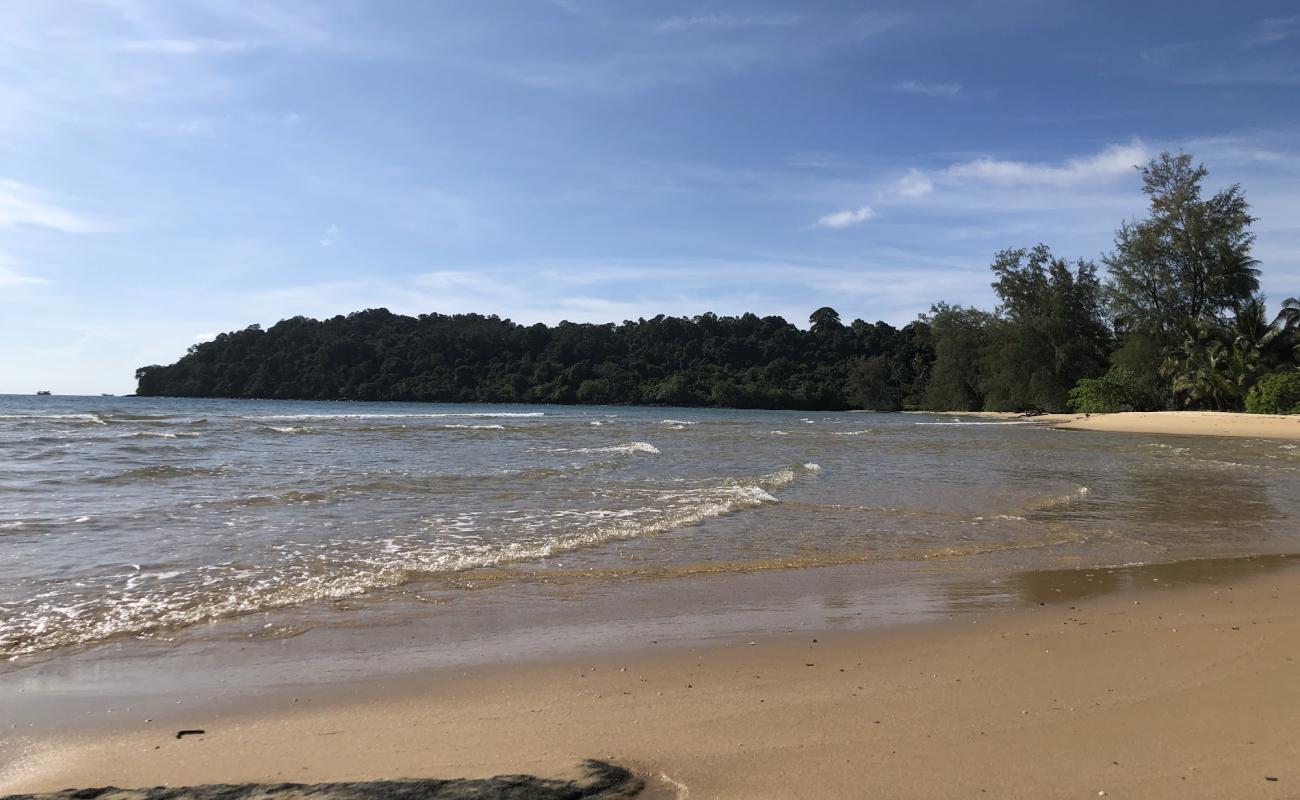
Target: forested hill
x=1178 y=322
x=746 y=362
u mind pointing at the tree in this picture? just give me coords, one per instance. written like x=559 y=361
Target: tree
x=1190 y=260
x=825 y=319
x=1051 y=331
x=960 y=337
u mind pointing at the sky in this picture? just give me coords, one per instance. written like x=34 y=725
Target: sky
x=171 y=169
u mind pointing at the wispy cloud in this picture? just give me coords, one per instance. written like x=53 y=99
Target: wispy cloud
x=911 y=186
x=846 y=218
x=929 y=89
x=1274 y=29
x=330 y=236
x=22 y=205
x=1114 y=161
x=727 y=22
x=187 y=47
x=10 y=277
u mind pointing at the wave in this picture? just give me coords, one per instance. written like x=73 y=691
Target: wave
x=1051 y=501
x=862 y=432
x=157 y=601
x=982 y=422
x=158 y=472
x=289 y=428
x=628 y=448
x=92 y=418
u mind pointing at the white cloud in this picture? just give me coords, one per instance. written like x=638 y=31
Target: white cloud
x=727 y=22
x=912 y=186
x=330 y=237
x=846 y=218
x=1114 y=161
x=929 y=89
x=21 y=204
x=187 y=47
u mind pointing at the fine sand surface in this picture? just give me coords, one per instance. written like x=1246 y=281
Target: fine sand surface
x=1145 y=693
x=1186 y=423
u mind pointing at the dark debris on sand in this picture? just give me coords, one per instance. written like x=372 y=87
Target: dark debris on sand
x=599 y=781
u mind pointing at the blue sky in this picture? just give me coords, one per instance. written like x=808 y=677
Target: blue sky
x=170 y=169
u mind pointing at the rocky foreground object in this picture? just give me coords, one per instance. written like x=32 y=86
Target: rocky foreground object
x=598 y=781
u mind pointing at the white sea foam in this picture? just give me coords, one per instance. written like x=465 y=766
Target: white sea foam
x=981 y=422
x=92 y=418
x=676 y=422
x=150 y=601
x=476 y=427
x=862 y=432
x=627 y=448
x=289 y=428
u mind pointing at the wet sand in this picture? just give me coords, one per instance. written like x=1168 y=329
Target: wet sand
x=1178 y=681
x=1184 y=423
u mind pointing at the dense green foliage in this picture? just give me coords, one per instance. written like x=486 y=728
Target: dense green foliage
x=1278 y=393
x=1178 y=323
x=742 y=361
x=1119 y=389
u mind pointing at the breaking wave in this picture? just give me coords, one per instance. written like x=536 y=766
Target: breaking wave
x=143 y=601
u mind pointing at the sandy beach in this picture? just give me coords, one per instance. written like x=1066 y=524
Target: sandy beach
x=1184 y=423
x=1144 y=692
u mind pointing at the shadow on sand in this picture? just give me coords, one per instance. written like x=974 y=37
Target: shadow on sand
x=597 y=780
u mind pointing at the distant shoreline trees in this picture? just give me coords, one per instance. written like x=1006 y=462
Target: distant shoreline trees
x=1178 y=322
x=745 y=362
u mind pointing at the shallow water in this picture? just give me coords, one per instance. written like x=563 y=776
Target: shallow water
x=130 y=518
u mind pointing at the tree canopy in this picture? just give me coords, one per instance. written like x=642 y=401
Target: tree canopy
x=745 y=361
x=1178 y=322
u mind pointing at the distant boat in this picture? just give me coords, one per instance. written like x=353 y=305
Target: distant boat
x=43 y=392
x=107 y=394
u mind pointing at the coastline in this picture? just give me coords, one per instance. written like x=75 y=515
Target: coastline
x=1233 y=424
x=1143 y=692
x=1184 y=423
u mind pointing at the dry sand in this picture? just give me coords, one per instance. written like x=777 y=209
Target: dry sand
x=1186 y=423
x=1156 y=693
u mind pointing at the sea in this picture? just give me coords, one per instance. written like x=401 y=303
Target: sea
x=414 y=534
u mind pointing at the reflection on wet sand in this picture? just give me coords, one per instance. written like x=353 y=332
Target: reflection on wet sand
x=1045 y=586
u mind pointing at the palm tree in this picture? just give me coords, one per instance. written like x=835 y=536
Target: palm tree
x=1288 y=317
x=1198 y=367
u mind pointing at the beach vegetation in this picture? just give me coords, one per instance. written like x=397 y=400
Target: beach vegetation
x=1278 y=393
x=1120 y=389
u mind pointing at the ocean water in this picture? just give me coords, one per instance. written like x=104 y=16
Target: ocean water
x=155 y=519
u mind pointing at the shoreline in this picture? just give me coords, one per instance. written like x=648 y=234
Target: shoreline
x=1233 y=424
x=1199 y=677
x=1184 y=423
